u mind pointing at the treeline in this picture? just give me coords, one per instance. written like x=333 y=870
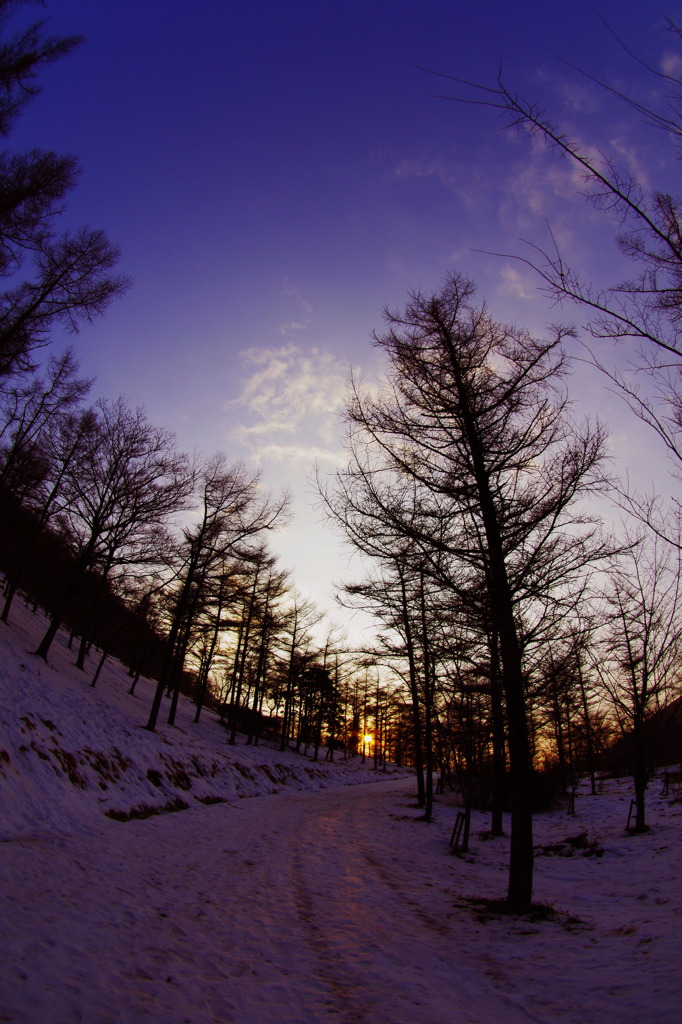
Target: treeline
x=139 y=551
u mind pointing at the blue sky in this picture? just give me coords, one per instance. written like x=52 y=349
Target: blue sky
x=278 y=172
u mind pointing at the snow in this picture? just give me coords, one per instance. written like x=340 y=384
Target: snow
x=323 y=898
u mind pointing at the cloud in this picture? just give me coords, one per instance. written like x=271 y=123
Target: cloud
x=518 y=284
x=305 y=307
x=671 y=64
x=630 y=158
x=296 y=454
x=541 y=188
x=450 y=175
x=295 y=393
x=580 y=97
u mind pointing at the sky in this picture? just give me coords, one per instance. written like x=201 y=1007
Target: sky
x=277 y=173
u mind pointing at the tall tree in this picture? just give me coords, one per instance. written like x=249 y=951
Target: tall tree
x=299 y=621
x=273 y=591
x=389 y=595
x=258 y=568
x=118 y=491
x=639 y=660
x=31 y=407
x=67 y=437
x=232 y=513
x=475 y=418
x=73 y=275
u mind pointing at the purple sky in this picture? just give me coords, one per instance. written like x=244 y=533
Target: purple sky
x=278 y=172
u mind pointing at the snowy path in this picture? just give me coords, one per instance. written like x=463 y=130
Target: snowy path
x=279 y=908
x=300 y=907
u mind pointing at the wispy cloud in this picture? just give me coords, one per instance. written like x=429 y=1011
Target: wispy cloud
x=579 y=96
x=631 y=158
x=539 y=188
x=300 y=455
x=449 y=174
x=671 y=64
x=293 y=393
x=518 y=283
x=305 y=310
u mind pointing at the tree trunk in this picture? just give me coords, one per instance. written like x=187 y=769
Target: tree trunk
x=58 y=616
x=521 y=862
x=414 y=693
x=639 y=775
x=498 y=741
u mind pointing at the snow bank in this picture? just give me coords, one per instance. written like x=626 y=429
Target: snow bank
x=68 y=751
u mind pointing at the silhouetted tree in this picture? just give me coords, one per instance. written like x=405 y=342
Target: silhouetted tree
x=639 y=663
x=474 y=418
x=233 y=512
x=298 y=622
x=117 y=492
x=31 y=408
x=73 y=275
x=68 y=438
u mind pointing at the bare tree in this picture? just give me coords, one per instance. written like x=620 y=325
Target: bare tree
x=121 y=487
x=218 y=617
x=409 y=604
x=474 y=418
x=272 y=592
x=73 y=276
x=298 y=622
x=232 y=512
x=639 y=660
x=68 y=437
x=30 y=408
x=258 y=571
x=390 y=595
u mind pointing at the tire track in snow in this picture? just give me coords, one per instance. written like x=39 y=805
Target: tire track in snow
x=344 y=995
x=373 y=944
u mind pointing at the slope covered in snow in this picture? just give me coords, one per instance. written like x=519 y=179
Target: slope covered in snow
x=68 y=750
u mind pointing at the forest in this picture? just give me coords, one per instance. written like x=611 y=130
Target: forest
x=528 y=602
